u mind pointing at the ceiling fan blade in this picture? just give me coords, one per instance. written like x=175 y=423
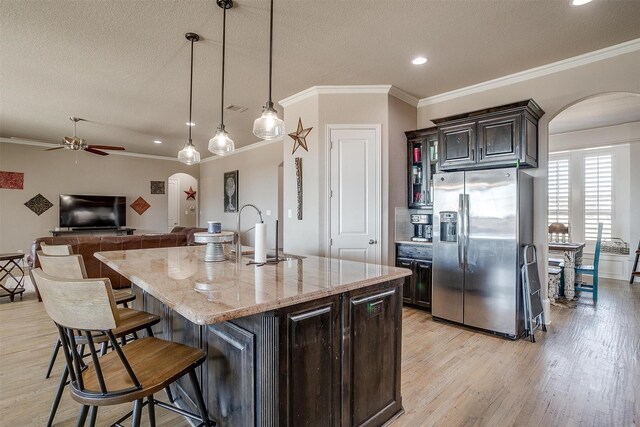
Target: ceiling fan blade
x=94 y=151
x=105 y=147
x=54 y=148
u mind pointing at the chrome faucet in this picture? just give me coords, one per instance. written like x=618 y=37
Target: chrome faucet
x=239 y=234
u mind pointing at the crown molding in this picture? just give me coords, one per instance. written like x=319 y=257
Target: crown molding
x=31 y=142
x=259 y=144
x=544 y=70
x=350 y=90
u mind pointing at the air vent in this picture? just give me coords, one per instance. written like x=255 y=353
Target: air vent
x=236 y=108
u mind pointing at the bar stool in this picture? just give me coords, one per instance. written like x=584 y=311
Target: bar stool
x=132 y=373
x=72 y=267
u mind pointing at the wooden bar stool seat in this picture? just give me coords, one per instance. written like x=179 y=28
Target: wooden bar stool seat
x=156 y=363
x=131 y=373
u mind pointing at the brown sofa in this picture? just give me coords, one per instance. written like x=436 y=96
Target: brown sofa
x=88 y=245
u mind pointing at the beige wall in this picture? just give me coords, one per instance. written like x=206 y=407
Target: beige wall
x=553 y=92
x=56 y=172
x=257 y=184
x=309 y=234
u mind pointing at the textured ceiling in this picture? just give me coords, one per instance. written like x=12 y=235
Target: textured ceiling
x=124 y=65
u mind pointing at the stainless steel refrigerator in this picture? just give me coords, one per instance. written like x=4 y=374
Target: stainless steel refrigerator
x=481 y=220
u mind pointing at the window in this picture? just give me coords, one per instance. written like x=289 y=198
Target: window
x=559 y=191
x=598 y=195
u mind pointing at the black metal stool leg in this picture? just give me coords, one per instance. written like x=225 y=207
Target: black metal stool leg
x=137 y=413
x=58 y=396
x=169 y=394
x=93 y=414
x=53 y=357
x=199 y=400
x=83 y=416
x=152 y=411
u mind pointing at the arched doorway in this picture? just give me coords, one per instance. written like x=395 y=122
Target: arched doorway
x=181 y=211
x=594 y=147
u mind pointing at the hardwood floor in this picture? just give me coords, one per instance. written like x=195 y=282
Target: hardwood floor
x=584 y=371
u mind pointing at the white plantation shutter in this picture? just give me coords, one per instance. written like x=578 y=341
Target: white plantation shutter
x=559 y=191
x=598 y=195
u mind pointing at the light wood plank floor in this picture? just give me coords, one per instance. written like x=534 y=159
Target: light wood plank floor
x=584 y=371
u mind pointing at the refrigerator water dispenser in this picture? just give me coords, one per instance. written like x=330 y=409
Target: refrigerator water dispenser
x=448 y=226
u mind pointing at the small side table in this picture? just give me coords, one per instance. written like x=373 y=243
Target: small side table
x=214 y=241
x=8 y=262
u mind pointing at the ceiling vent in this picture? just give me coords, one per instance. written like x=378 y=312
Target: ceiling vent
x=236 y=108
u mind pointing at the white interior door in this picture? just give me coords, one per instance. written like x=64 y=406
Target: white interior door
x=173 y=216
x=354 y=196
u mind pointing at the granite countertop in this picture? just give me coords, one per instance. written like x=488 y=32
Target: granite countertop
x=229 y=290
x=411 y=242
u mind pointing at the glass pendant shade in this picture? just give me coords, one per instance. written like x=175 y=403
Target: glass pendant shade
x=221 y=144
x=189 y=155
x=268 y=126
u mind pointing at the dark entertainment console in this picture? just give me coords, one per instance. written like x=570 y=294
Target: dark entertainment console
x=116 y=231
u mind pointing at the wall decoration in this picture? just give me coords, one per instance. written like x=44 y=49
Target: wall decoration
x=191 y=194
x=298 y=161
x=231 y=191
x=140 y=205
x=157 y=187
x=12 y=180
x=299 y=137
x=38 y=204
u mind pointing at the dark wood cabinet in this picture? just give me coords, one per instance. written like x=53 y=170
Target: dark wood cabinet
x=161 y=329
x=422 y=161
x=310 y=371
x=457 y=145
x=503 y=136
x=417 y=287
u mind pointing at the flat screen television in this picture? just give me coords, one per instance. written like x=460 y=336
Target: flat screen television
x=83 y=211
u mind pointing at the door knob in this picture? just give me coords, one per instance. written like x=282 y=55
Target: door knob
x=372 y=242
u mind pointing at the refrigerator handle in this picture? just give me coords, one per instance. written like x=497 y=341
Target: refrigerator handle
x=466 y=227
x=460 y=232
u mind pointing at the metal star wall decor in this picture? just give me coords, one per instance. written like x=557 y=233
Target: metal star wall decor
x=299 y=137
x=191 y=194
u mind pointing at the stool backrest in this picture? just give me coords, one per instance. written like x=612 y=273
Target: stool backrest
x=83 y=304
x=56 y=249
x=64 y=267
x=596 y=255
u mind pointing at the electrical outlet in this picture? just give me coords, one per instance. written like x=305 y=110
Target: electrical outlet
x=289 y=213
x=268 y=212
x=20 y=251
x=186 y=212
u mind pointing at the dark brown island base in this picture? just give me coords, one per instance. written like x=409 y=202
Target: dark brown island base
x=308 y=342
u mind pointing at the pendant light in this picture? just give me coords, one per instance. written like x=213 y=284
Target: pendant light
x=189 y=155
x=221 y=144
x=269 y=126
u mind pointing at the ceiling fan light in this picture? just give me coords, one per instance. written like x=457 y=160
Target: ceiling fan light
x=221 y=144
x=268 y=126
x=189 y=155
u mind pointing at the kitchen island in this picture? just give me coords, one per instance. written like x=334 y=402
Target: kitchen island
x=310 y=341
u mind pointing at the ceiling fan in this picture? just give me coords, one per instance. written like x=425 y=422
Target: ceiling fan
x=76 y=144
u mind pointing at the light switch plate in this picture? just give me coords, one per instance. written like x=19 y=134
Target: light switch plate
x=268 y=212
x=289 y=213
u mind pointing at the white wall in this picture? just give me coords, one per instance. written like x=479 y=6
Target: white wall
x=257 y=184
x=56 y=172
x=553 y=92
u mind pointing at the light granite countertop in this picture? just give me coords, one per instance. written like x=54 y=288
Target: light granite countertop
x=212 y=292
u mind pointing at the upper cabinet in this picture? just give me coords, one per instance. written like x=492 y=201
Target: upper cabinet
x=496 y=137
x=423 y=163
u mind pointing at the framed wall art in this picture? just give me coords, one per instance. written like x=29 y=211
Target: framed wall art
x=231 y=191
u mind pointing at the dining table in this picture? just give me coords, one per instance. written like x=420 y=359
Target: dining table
x=572 y=256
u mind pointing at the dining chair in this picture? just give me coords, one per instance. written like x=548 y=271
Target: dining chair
x=72 y=267
x=591 y=270
x=558 y=232
x=131 y=373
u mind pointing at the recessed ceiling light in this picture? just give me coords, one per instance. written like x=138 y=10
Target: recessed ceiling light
x=580 y=2
x=190 y=124
x=157 y=141
x=419 y=60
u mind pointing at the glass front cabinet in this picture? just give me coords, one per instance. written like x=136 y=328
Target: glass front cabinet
x=422 y=163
